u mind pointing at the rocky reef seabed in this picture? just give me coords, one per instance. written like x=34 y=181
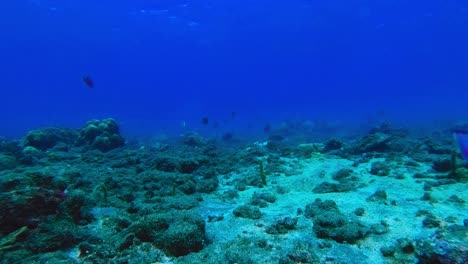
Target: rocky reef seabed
x=87 y=196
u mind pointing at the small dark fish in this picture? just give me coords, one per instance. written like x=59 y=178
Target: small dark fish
x=233 y=114
x=205 y=120
x=267 y=129
x=88 y=81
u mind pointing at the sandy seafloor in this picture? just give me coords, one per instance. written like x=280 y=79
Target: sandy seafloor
x=87 y=196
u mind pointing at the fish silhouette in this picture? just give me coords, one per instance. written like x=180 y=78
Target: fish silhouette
x=204 y=120
x=88 y=81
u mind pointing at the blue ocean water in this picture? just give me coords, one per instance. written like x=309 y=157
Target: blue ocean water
x=160 y=64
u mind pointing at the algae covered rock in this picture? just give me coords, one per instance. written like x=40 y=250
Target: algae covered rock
x=339 y=228
x=186 y=234
x=27 y=207
x=329 y=187
x=379 y=168
x=329 y=222
x=7 y=162
x=448 y=246
x=9 y=146
x=30 y=155
x=332 y=144
x=299 y=255
x=150 y=229
x=176 y=233
x=50 y=237
x=103 y=135
x=282 y=226
x=377 y=142
x=193 y=139
x=262 y=199
x=378 y=196
x=346 y=182
x=442 y=165
x=44 y=139
x=319 y=206
x=247 y=211
x=74 y=204
x=108 y=142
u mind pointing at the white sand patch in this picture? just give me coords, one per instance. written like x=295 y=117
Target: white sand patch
x=398 y=211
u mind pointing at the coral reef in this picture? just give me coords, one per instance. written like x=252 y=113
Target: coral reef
x=103 y=135
x=84 y=196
